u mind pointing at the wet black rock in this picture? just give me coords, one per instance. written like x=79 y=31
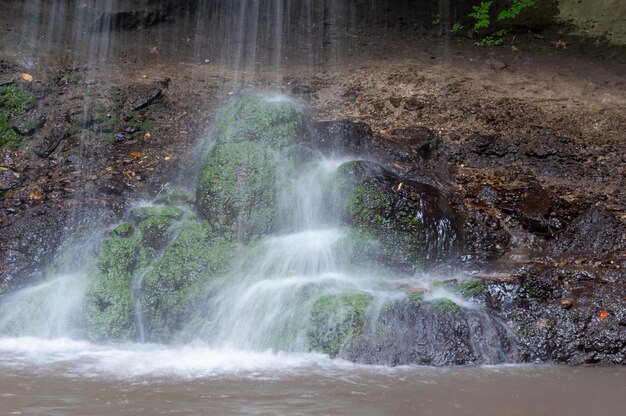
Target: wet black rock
x=596 y=232
x=409 y=331
x=27 y=124
x=144 y=99
x=122 y=20
x=420 y=138
x=344 y=136
x=48 y=144
x=80 y=117
x=7 y=181
x=563 y=314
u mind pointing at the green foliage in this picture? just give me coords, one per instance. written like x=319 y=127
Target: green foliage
x=515 y=9
x=457 y=28
x=481 y=16
x=14 y=100
x=13 y=103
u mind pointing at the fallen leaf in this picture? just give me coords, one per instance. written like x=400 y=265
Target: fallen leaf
x=603 y=314
x=167 y=158
x=147 y=136
x=26 y=77
x=35 y=195
x=400 y=185
x=561 y=45
x=135 y=155
x=3 y=169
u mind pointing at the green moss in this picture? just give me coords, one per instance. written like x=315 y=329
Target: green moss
x=472 y=288
x=237 y=191
x=126 y=255
x=374 y=209
x=8 y=137
x=141 y=213
x=278 y=123
x=123 y=230
x=337 y=322
x=176 y=281
x=13 y=103
x=249 y=165
x=176 y=196
x=109 y=298
x=445 y=306
x=14 y=100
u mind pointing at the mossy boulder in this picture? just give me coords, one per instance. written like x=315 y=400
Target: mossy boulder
x=337 y=322
x=109 y=298
x=179 y=278
x=410 y=221
x=126 y=254
x=275 y=121
x=238 y=190
x=255 y=152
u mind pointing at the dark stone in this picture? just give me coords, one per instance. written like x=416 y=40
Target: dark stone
x=413 y=221
x=111 y=185
x=27 y=124
x=7 y=180
x=407 y=332
x=344 y=136
x=144 y=99
x=80 y=117
x=301 y=89
x=596 y=232
x=534 y=210
x=49 y=143
x=420 y=138
x=128 y=20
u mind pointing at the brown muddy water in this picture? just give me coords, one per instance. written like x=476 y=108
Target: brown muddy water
x=64 y=377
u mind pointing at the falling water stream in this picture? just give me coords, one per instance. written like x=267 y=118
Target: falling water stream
x=246 y=347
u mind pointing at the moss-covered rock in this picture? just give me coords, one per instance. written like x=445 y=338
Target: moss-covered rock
x=472 y=288
x=337 y=322
x=256 y=143
x=125 y=256
x=178 y=279
x=369 y=203
x=445 y=306
x=273 y=120
x=176 y=196
x=237 y=191
x=109 y=298
x=141 y=213
x=411 y=221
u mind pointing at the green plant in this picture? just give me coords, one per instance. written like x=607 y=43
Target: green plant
x=481 y=16
x=457 y=28
x=13 y=102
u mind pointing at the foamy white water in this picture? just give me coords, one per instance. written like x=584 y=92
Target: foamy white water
x=132 y=361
